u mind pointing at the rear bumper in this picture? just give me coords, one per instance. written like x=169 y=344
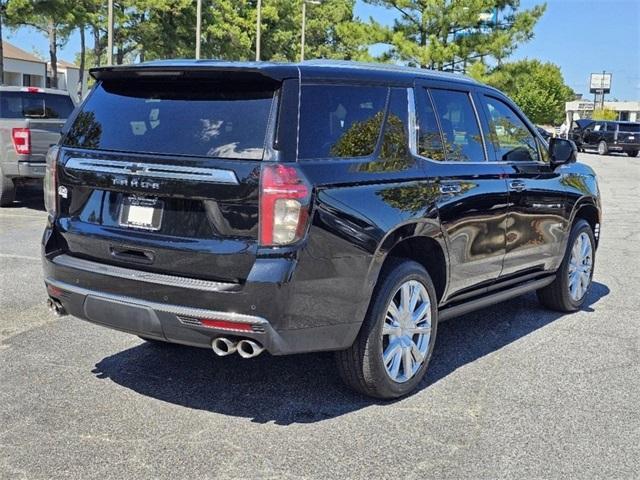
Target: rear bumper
x=624 y=147
x=171 y=308
x=24 y=169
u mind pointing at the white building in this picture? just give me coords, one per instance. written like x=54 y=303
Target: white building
x=22 y=69
x=69 y=79
x=627 y=111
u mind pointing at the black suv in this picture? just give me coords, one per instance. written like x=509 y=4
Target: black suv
x=607 y=136
x=299 y=208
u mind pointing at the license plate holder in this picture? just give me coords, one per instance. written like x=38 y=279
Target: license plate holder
x=141 y=212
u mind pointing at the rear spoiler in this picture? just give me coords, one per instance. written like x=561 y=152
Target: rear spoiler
x=198 y=69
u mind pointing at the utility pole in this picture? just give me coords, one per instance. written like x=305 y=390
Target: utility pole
x=110 y=33
x=258 y=28
x=198 y=27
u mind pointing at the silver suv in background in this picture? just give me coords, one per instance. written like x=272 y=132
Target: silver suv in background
x=30 y=122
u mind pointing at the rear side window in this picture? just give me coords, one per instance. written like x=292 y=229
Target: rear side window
x=611 y=127
x=34 y=105
x=191 y=118
x=340 y=121
x=463 y=142
x=429 y=138
x=629 y=127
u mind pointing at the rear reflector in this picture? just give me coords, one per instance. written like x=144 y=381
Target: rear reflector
x=32 y=89
x=21 y=140
x=226 y=325
x=54 y=291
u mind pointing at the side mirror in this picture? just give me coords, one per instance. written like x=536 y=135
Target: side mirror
x=562 y=151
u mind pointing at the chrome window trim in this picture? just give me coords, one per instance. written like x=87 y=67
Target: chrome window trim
x=413 y=124
x=142 y=276
x=152 y=170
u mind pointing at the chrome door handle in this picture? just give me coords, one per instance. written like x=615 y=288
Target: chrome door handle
x=450 y=188
x=517 y=185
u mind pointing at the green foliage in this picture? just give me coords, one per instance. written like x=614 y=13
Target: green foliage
x=449 y=34
x=604 y=114
x=538 y=88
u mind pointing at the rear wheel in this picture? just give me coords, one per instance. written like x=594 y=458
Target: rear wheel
x=7 y=190
x=569 y=290
x=390 y=356
x=632 y=153
x=603 y=148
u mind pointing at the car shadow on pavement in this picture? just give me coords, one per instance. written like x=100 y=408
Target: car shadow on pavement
x=29 y=196
x=306 y=388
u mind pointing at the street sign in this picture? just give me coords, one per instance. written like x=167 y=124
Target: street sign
x=600 y=83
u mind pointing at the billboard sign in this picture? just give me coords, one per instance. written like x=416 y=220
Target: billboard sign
x=600 y=83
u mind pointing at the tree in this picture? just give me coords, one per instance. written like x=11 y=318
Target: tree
x=538 y=88
x=604 y=114
x=449 y=34
x=51 y=17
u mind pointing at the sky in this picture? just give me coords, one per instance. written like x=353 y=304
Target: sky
x=581 y=36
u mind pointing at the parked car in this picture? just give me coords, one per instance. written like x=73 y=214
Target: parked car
x=30 y=122
x=307 y=207
x=607 y=136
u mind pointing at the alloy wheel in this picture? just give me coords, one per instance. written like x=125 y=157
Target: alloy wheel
x=580 y=266
x=406 y=331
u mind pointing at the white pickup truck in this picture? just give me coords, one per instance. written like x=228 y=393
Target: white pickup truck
x=30 y=122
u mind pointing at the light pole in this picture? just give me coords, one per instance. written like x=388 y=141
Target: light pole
x=304 y=24
x=258 y=27
x=110 y=32
x=198 y=27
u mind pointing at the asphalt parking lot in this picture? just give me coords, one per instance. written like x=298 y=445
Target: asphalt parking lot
x=514 y=391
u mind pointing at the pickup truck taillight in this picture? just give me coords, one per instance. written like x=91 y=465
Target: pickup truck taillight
x=284 y=205
x=50 y=180
x=21 y=140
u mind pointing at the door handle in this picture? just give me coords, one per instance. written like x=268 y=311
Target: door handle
x=450 y=188
x=517 y=185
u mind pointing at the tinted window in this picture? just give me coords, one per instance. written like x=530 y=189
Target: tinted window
x=511 y=138
x=175 y=117
x=463 y=142
x=395 y=139
x=611 y=127
x=34 y=105
x=629 y=127
x=340 y=121
x=429 y=138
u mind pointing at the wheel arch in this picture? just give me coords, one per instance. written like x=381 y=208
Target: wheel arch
x=586 y=209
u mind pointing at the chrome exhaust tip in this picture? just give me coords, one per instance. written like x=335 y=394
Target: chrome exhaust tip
x=249 y=348
x=223 y=346
x=56 y=307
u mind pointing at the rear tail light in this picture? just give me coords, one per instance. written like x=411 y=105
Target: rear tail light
x=284 y=205
x=50 y=180
x=21 y=140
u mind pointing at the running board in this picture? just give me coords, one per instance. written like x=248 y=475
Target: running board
x=487 y=300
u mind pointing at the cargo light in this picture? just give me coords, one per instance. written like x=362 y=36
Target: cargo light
x=21 y=138
x=284 y=205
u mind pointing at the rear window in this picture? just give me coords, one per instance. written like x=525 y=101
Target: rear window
x=629 y=127
x=340 y=121
x=203 y=119
x=34 y=105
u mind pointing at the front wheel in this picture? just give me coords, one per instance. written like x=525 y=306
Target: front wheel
x=390 y=356
x=569 y=290
x=603 y=148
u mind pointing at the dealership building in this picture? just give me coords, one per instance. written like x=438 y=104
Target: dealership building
x=627 y=111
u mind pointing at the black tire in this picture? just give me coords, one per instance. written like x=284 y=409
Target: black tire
x=633 y=153
x=603 y=148
x=361 y=366
x=556 y=296
x=7 y=190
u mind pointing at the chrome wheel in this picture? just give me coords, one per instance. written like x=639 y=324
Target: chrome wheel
x=406 y=331
x=580 y=266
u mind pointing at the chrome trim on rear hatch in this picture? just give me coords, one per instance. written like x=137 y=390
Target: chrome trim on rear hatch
x=142 y=276
x=152 y=170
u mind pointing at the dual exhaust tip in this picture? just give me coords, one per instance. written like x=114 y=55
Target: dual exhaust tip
x=223 y=346
x=56 y=307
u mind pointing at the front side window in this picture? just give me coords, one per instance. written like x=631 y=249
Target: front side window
x=460 y=130
x=511 y=138
x=340 y=121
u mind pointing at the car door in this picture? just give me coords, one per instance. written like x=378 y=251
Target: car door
x=472 y=204
x=593 y=133
x=537 y=222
